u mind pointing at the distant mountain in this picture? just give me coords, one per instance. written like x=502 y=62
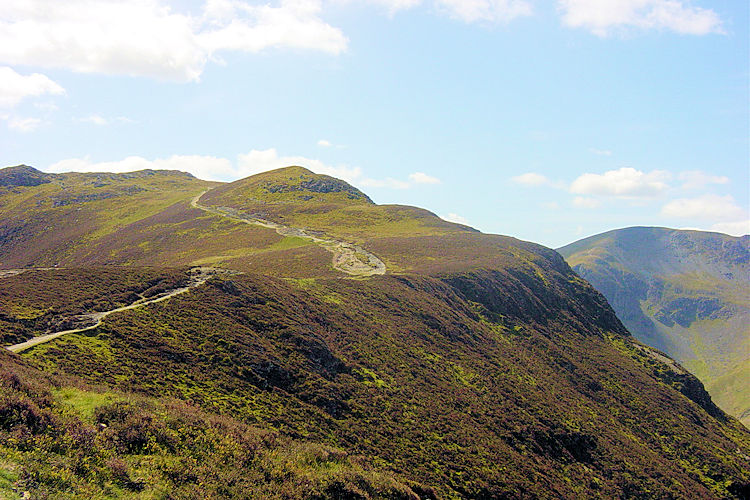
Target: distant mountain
x=686 y=293
x=341 y=349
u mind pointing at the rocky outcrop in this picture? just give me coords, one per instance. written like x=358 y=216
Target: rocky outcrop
x=22 y=175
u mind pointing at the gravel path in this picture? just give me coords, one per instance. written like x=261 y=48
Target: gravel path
x=347 y=258
x=199 y=275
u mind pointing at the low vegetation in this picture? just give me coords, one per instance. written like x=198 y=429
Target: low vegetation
x=41 y=301
x=479 y=366
x=73 y=441
x=433 y=380
x=683 y=292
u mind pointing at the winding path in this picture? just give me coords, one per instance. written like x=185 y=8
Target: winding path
x=347 y=258
x=199 y=276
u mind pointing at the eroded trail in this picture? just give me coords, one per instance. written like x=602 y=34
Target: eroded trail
x=347 y=258
x=198 y=276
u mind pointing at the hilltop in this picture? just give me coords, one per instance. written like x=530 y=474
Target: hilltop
x=686 y=293
x=475 y=366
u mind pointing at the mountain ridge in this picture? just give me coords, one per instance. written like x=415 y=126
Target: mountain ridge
x=478 y=366
x=683 y=292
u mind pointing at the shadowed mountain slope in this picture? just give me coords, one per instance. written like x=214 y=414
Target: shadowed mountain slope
x=686 y=293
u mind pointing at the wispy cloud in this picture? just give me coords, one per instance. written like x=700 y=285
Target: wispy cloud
x=452 y=217
x=696 y=179
x=97 y=37
x=602 y=17
x=493 y=11
x=223 y=169
x=531 y=179
x=422 y=178
x=583 y=202
x=625 y=182
x=102 y=121
x=468 y=11
x=738 y=228
x=23 y=124
x=15 y=87
x=707 y=206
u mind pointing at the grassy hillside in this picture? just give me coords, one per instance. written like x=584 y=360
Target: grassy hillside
x=62 y=438
x=478 y=366
x=40 y=301
x=140 y=218
x=478 y=385
x=684 y=292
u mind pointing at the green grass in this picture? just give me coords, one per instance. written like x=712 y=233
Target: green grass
x=404 y=371
x=84 y=402
x=8 y=477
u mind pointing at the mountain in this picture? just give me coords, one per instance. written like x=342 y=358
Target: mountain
x=687 y=293
x=333 y=348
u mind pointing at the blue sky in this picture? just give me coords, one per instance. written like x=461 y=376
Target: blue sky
x=548 y=120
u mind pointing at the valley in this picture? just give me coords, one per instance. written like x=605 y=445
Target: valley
x=686 y=293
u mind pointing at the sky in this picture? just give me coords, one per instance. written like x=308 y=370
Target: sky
x=547 y=120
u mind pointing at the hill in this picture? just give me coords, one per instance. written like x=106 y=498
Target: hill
x=474 y=366
x=686 y=293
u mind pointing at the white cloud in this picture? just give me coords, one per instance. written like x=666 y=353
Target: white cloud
x=205 y=167
x=95 y=119
x=148 y=38
x=15 y=87
x=257 y=161
x=223 y=169
x=603 y=16
x=388 y=182
x=708 y=206
x=22 y=124
x=468 y=11
x=101 y=121
x=494 y=11
x=695 y=179
x=451 y=217
x=583 y=202
x=392 y=6
x=47 y=107
x=422 y=178
x=625 y=182
x=324 y=143
x=530 y=179
x=739 y=228
x=237 y=25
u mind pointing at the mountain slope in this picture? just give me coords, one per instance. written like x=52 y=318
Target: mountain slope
x=478 y=366
x=433 y=379
x=686 y=293
x=61 y=438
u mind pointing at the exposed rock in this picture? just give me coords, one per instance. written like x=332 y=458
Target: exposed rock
x=22 y=175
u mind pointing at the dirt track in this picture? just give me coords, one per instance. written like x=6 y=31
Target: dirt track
x=198 y=276
x=347 y=258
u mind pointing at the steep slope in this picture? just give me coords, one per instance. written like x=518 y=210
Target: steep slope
x=478 y=385
x=686 y=293
x=60 y=438
x=478 y=366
